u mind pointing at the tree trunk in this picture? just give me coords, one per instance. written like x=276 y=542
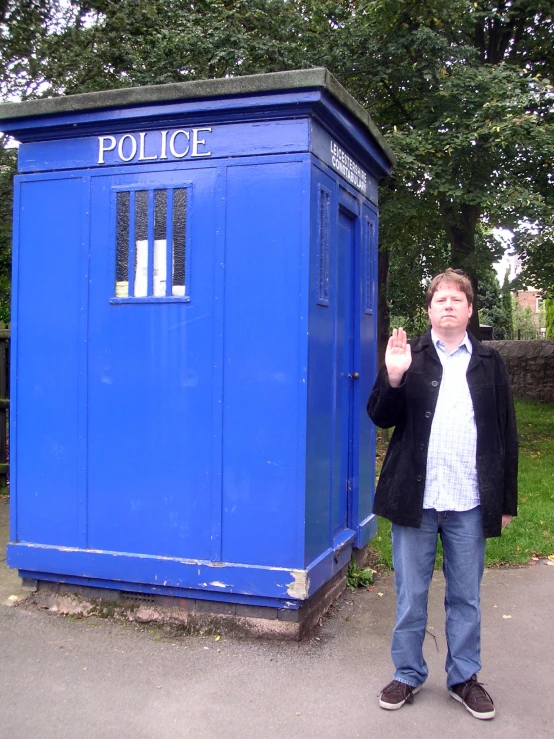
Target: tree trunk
x=460 y=229
x=383 y=315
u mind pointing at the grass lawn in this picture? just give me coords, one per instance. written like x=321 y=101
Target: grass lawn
x=531 y=533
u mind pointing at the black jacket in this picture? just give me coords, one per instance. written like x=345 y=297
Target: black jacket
x=410 y=408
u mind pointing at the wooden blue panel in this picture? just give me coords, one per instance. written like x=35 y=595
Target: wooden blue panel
x=352 y=169
x=151 y=378
x=365 y=435
x=321 y=400
x=263 y=379
x=117 y=567
x=342 y=295
x=183 y=143
x=355 y=137
x=277 y=106
x=193 y=446
x=175 y=592
x=340 y=441
x=46 y=421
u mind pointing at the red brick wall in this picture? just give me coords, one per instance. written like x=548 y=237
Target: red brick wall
x=528 y=298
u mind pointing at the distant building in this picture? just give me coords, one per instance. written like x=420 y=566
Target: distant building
x=532 y=299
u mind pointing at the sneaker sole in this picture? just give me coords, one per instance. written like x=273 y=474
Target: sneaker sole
x=475 y=714
x=396 y=706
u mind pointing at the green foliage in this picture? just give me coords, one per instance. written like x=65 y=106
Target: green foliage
x=507 y=305
x=549 y=322
x=491 y=306
x=458 y=88
x=27 y=28
x=531 y=533
x=535 y=245
x=461 y=89
x=7 y=170
x=87 y=45
x=357 y=577
x=415 y=324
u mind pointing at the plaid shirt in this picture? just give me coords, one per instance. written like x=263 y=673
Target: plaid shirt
x=451 y=480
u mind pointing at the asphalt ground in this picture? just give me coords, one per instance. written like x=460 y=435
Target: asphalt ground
x=94 y=678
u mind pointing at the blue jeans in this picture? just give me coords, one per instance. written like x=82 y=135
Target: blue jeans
x=414 y=552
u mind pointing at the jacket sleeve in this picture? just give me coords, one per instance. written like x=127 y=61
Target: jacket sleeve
x=509 y=503
x=386 y=404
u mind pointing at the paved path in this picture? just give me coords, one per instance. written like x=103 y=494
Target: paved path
x=95 y=679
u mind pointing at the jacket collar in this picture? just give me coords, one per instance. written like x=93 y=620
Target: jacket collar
x=425 y=343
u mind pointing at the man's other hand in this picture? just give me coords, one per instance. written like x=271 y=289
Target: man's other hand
x=398 y=356
x=505 y=520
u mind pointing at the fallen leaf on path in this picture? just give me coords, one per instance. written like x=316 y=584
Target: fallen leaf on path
x=495 y=606
x=217 y=638
x=506 y=617
x=380 y=595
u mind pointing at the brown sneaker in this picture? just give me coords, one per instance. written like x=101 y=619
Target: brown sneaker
x=395 y=694
x=474 y=697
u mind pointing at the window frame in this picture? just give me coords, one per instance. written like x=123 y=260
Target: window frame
x=150 y=188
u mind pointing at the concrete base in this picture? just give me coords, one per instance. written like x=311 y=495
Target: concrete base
x=192 y=615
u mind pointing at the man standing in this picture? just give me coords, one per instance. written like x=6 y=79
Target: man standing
x=450 y=470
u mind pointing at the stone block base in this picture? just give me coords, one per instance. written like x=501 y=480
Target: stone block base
x=192 y=616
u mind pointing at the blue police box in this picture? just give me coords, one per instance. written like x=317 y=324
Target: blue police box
x=194 y=337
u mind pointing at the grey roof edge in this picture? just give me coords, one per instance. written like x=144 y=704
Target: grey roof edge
x=352 y=105
x=196 y=89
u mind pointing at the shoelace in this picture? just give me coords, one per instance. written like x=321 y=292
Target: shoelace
x=405 y=691
x=480 y=695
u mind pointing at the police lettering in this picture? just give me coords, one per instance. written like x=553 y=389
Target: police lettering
x=176 y=144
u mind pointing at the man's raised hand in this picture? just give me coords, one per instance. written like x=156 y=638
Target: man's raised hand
x=398 y=356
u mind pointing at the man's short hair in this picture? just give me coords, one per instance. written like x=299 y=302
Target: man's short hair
x=451 y=277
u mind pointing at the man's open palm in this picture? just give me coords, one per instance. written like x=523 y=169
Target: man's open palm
x=398 y=356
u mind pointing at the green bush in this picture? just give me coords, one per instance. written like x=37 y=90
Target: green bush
x=549 y=315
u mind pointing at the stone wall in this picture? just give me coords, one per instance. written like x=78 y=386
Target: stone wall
x=530 y=366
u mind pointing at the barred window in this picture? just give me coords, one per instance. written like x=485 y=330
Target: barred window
x=151 y=235
x=323 y=247
x=369 y=264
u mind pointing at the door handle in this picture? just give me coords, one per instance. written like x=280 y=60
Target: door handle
x=355 y=375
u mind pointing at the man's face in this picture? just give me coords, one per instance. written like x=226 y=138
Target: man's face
x=449 y=309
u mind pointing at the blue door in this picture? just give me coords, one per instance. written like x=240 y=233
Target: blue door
x=152 y=391
x=344 y=373
x=364 y=432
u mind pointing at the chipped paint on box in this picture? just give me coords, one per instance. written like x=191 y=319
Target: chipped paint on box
x=298 y=588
